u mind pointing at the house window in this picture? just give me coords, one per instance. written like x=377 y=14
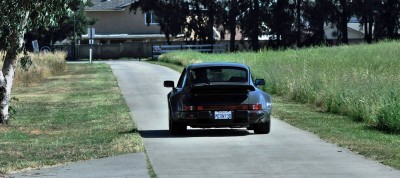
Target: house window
x=150 y=19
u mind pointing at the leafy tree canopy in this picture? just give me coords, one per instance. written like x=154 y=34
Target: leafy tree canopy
x=20 y=17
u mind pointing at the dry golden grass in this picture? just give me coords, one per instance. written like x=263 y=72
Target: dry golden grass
x=43 y=66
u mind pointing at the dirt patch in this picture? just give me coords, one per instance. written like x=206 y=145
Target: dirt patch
x=35 y=132
x=3 y=128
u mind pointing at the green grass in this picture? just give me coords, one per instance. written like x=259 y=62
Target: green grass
x=358 y=137
x=78 y=115
x=357 y=134
x=360 y=81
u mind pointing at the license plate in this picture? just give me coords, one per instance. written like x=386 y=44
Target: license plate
x=223 y=115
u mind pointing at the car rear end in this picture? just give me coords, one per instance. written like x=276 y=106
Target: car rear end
x=221 y=106
x=219 y=97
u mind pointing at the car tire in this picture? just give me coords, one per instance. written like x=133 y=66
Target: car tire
x=176 y=128
x=262 y=128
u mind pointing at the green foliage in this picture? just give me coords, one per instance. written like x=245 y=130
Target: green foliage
x=48 y=35
x=40 y=14
x=25 y=62
x=352 y=80
x=388 y=115
x=286 y=23
x=11 y=110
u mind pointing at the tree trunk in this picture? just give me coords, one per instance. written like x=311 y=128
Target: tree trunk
x=232 y=42
x=232 y=25
x=8 y=71
x=343 y=22
x=210 y=23
x=298 y=23
x=6 y=79
x=167 y=34
x=370 y=25
x=320 y=33
x=364 y=18
x=255 y=25
x=391 y=20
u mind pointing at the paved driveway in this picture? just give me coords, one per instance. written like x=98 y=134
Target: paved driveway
x=285 y=152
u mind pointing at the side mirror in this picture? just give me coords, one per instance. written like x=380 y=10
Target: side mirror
x=169 y=84
x=259 y=82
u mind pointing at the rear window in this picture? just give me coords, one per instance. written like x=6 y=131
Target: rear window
x=218 y=74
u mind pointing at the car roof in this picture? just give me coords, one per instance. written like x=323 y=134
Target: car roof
x=217 y=64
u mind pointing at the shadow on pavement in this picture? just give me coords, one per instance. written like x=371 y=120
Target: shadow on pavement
x=195 y=133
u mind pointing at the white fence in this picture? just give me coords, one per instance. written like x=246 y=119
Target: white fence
x=157 y=50
x=141 y=50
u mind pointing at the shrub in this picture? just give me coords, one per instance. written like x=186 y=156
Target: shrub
x=43 y=65
x=388 y=116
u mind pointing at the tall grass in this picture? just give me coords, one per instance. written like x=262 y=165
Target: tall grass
x=361 y=81
x=43 y=65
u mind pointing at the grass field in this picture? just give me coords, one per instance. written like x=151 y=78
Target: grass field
x=41 y=66
x=360 y=81
x=77 y=115
x=288 y=75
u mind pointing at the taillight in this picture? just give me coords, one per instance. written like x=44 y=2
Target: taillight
x=223 y=108
x=245 y=107
x=193 y=108
x=189 y=108
x=255 y=107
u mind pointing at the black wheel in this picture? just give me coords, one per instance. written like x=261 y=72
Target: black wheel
x=250 y=127
x=176 y=128
x=262 y=128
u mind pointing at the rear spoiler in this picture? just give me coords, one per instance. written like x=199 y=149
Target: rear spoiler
x=205 y=87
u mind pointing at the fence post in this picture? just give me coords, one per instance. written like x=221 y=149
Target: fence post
x=140 y=53
x=152 y=52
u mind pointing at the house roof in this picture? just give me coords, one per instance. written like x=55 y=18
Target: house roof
x=109 y=5
x=357 y=33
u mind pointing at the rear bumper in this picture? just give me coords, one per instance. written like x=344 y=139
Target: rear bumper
x=205 y=119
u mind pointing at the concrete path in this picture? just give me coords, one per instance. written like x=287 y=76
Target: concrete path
x=286 y=152
x=129 y=165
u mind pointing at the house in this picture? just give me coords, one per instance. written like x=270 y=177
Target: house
x=355 y=31
x=115 y=23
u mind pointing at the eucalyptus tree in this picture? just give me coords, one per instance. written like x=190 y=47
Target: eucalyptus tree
x=232 y=21
x=387 y=19
x=299 y=25
x=17 y=18
x=318 y=13
x=66 y=27
x=204 y=16
x=282 y=23
x=253 y=15
x=365 y=10
x=343 y=11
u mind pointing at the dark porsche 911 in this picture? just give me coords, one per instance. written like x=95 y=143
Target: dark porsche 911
x=218 y=95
